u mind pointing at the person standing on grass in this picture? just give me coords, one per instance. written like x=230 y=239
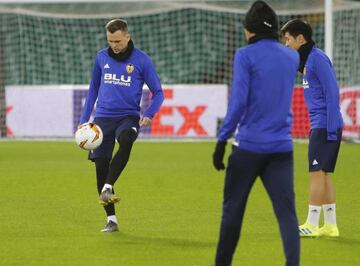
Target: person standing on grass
x=264 y=72
x=119 y=74
x=321 y=93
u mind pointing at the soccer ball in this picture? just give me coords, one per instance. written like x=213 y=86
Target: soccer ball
x=88 y=136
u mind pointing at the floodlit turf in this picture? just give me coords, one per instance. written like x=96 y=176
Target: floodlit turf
x=169 y=213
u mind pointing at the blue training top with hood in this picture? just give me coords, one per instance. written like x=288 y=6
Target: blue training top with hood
x=117 y=86
x=263 y=79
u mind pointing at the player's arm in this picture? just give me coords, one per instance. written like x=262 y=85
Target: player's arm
x=93 y=93
x=236 y=108
x=153 y=82
x=239 y=96
x=327 y=78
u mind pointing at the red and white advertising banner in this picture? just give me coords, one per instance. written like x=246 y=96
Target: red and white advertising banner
x=349 y=107
x=54 y=110
x=39 y=111
x=190 y=111
x=350 y=110
x=301 y=124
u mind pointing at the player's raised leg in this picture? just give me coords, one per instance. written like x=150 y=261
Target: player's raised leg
x=120 y=159
x=127 y=133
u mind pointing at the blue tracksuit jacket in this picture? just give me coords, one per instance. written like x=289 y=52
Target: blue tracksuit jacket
x=322 y=93
x=259 y=107
x=117 y=86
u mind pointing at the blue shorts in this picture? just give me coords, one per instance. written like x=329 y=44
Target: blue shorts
x=111 y=128
x=322 y=153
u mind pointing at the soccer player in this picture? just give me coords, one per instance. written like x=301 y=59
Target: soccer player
x=119 y=74
x=322 y=99
x=264 y=72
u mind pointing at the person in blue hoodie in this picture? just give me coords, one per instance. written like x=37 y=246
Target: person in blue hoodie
x=321 y=93
x=119 y=74
x=264 y=73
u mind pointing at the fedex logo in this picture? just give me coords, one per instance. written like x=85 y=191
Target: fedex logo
x=113 y=79
x=183 y=120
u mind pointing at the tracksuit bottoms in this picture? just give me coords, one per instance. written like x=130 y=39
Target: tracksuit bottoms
x=277 y=175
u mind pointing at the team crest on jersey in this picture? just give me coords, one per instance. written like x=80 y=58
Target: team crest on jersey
x=129 y=68
x=304 y=81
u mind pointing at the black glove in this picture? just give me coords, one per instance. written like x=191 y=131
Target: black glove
x=218 y=155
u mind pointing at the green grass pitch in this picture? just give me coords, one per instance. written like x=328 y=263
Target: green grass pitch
x=169 y=213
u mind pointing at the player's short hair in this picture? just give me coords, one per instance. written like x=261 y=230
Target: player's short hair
x=295 y=27
x=116 y=24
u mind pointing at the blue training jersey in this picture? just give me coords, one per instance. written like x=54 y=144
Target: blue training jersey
x=117 y=86
x=259 y=107
x=321 y=93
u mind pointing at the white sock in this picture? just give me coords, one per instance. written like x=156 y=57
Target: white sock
x=329 y=213
x=314 y=215
x=112 y=218
x=106 y=186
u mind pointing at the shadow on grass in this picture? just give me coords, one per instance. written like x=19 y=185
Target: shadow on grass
x=344 y=241
x=338 y=240
x=124 y=238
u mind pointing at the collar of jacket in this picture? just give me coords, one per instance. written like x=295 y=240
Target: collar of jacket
x=260 y=36
x=304 y=52
x=123 y=55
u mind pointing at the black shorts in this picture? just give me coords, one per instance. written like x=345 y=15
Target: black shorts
x=111 y=128
x=322 y=153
